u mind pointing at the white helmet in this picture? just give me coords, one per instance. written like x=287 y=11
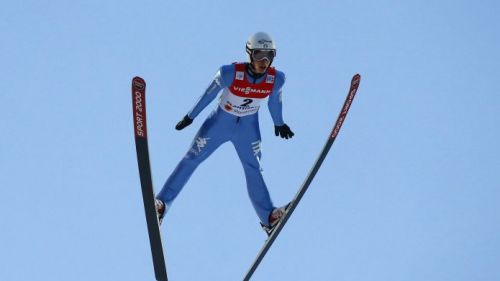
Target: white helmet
x=261 y=41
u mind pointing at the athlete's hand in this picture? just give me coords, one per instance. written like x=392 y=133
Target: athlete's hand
x=283 y=131
x=186 y=121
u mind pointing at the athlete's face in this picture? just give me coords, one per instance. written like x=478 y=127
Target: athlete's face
x=260 y=66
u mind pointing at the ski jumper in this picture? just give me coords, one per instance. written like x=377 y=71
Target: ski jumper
x=236 y=120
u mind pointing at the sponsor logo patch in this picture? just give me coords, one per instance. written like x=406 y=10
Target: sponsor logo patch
x=248 y=90
x=240 y=75
x=270 y=79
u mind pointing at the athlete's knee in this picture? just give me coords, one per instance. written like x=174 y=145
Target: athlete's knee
x=191 y=160
x=194 y=157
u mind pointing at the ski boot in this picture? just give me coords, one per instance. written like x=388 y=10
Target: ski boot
x=161 y=209
x=274 y=219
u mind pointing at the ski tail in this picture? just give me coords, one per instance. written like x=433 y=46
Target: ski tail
x=312 y=173
x=141 y=144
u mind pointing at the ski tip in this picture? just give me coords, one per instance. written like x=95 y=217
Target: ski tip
x=356 y=79
x=138 y=82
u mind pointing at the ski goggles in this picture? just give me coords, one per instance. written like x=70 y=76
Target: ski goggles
x=259 y=55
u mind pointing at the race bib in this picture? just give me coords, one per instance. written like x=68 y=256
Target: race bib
x=239 y=106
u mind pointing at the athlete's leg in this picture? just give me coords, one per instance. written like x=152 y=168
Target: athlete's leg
x=211 y=135
x=248 y=145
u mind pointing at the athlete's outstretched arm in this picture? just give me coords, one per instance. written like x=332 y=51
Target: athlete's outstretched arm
x=275 y=101
x=205 y=99
x=276 y=108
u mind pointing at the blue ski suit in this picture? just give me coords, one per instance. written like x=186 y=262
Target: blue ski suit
x=235 y=119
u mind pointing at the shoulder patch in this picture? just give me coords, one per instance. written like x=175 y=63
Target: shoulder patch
x=240 y=75
x=270 y=79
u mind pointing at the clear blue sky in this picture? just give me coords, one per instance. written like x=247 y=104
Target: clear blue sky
x=409 y=192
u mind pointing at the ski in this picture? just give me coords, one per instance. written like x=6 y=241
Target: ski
x=148 y=196
x=302 y=190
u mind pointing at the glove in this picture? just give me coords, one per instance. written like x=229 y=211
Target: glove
x=283 y=131
x=186 y=121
